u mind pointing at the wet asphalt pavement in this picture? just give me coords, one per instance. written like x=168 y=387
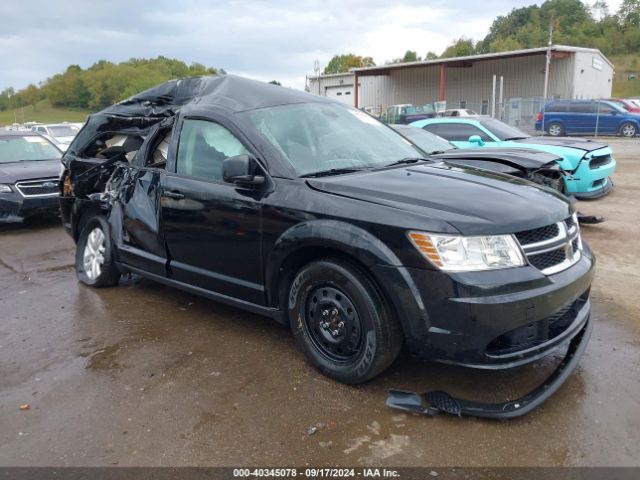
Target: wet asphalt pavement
x=142 y=374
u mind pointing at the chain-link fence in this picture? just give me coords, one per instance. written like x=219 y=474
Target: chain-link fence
x=584 y=117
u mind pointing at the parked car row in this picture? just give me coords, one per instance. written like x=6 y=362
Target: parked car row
x=321 y=217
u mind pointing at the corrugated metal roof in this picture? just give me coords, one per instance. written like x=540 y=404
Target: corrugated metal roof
x=383 y=69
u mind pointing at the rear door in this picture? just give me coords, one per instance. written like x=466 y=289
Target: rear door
x=212 y=229
x=135 y=217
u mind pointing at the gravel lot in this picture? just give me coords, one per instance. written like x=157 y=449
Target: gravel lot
x=143 y=374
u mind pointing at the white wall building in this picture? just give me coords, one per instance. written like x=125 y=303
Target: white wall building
x=467 y=82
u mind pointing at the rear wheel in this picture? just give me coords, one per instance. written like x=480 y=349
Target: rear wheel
x=555 y=129
x=95 y=265
x=628 y=130
x=341 y=321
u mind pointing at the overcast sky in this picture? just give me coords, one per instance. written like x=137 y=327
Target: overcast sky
x=265 y=40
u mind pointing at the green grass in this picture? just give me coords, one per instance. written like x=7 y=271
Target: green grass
x=626 y=65
x=43 y=113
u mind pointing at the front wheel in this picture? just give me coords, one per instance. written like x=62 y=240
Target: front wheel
x=95 y=264
x=342 y=322
x=555 y=129
x=628 y=130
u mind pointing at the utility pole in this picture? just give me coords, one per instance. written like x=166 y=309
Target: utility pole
x=316 y=71
x=548 y=63
x=547 y=67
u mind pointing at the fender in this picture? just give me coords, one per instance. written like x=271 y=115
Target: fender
x=383 y=264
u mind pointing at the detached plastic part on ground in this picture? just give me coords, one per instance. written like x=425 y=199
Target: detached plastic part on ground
x=589 y=219
x=433 y=403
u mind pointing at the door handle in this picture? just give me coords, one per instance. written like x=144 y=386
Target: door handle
x=173 y=194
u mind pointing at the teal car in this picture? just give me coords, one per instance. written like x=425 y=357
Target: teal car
x=587 y=165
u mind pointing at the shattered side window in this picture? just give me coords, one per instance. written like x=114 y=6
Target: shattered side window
x=202 y=148
x=113 y=145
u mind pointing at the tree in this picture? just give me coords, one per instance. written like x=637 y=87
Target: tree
x=600 y=9
x=411 y=56
x=275 y=82
x=31 y=95
x=431 y=55
x=459 y=48
x=629 y=14
x=343 y=63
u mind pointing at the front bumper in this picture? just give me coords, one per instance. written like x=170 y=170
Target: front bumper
x=16 y=208
x=497 y=319
x=590 y=183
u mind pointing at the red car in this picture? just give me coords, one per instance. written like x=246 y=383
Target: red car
x=627 y=105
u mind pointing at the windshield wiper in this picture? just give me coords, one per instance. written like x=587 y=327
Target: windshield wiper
x=333 y=171
x=407 y=160
x=514 y=138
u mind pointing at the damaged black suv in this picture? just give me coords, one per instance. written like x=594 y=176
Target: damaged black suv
x=316 y=214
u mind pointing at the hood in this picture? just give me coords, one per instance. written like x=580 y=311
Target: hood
x=521 y=157
x=20 y=171
x=579 y=143
x=472 y=201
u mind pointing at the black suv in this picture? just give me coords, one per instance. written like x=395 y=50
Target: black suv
x=316 y=214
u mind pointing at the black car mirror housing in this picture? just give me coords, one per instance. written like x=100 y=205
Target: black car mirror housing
x=242 y=170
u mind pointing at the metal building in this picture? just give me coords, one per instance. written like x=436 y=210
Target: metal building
x=468 y=82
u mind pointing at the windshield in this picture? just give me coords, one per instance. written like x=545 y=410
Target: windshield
x=426 y=141
x=502 y=130
x=317 y=137
x=22 y=148
x=63 y=131
x=415 y=109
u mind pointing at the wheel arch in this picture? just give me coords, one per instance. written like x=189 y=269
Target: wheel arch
x=81 y=212
x=314 y=240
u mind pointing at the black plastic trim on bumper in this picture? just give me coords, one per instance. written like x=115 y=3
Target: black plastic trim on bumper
x=443 y=402
x=601 y=192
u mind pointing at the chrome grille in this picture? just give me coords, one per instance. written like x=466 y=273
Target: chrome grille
x=537 y=234
x=47 y=187
x=551 y=253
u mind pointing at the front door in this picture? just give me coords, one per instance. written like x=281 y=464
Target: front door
x=211 y=228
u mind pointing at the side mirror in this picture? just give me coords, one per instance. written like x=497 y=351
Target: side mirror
x=477 y=140
x=242 y=170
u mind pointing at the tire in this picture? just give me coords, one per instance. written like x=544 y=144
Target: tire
x=95 y=265
x=341 y=321
x=555 y=129
x=628 y=129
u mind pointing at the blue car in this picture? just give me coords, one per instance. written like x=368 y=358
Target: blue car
x=587 y=117
x=587 y=165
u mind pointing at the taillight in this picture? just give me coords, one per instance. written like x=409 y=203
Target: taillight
x=539 y=117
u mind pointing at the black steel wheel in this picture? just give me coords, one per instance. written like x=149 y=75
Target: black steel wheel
x=333 y=324
x=342 y=322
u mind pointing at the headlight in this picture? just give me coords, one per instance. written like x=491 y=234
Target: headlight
x=5 y=188
x=455 y=253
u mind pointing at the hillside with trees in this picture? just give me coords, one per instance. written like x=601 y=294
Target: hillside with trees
x=100 y=85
